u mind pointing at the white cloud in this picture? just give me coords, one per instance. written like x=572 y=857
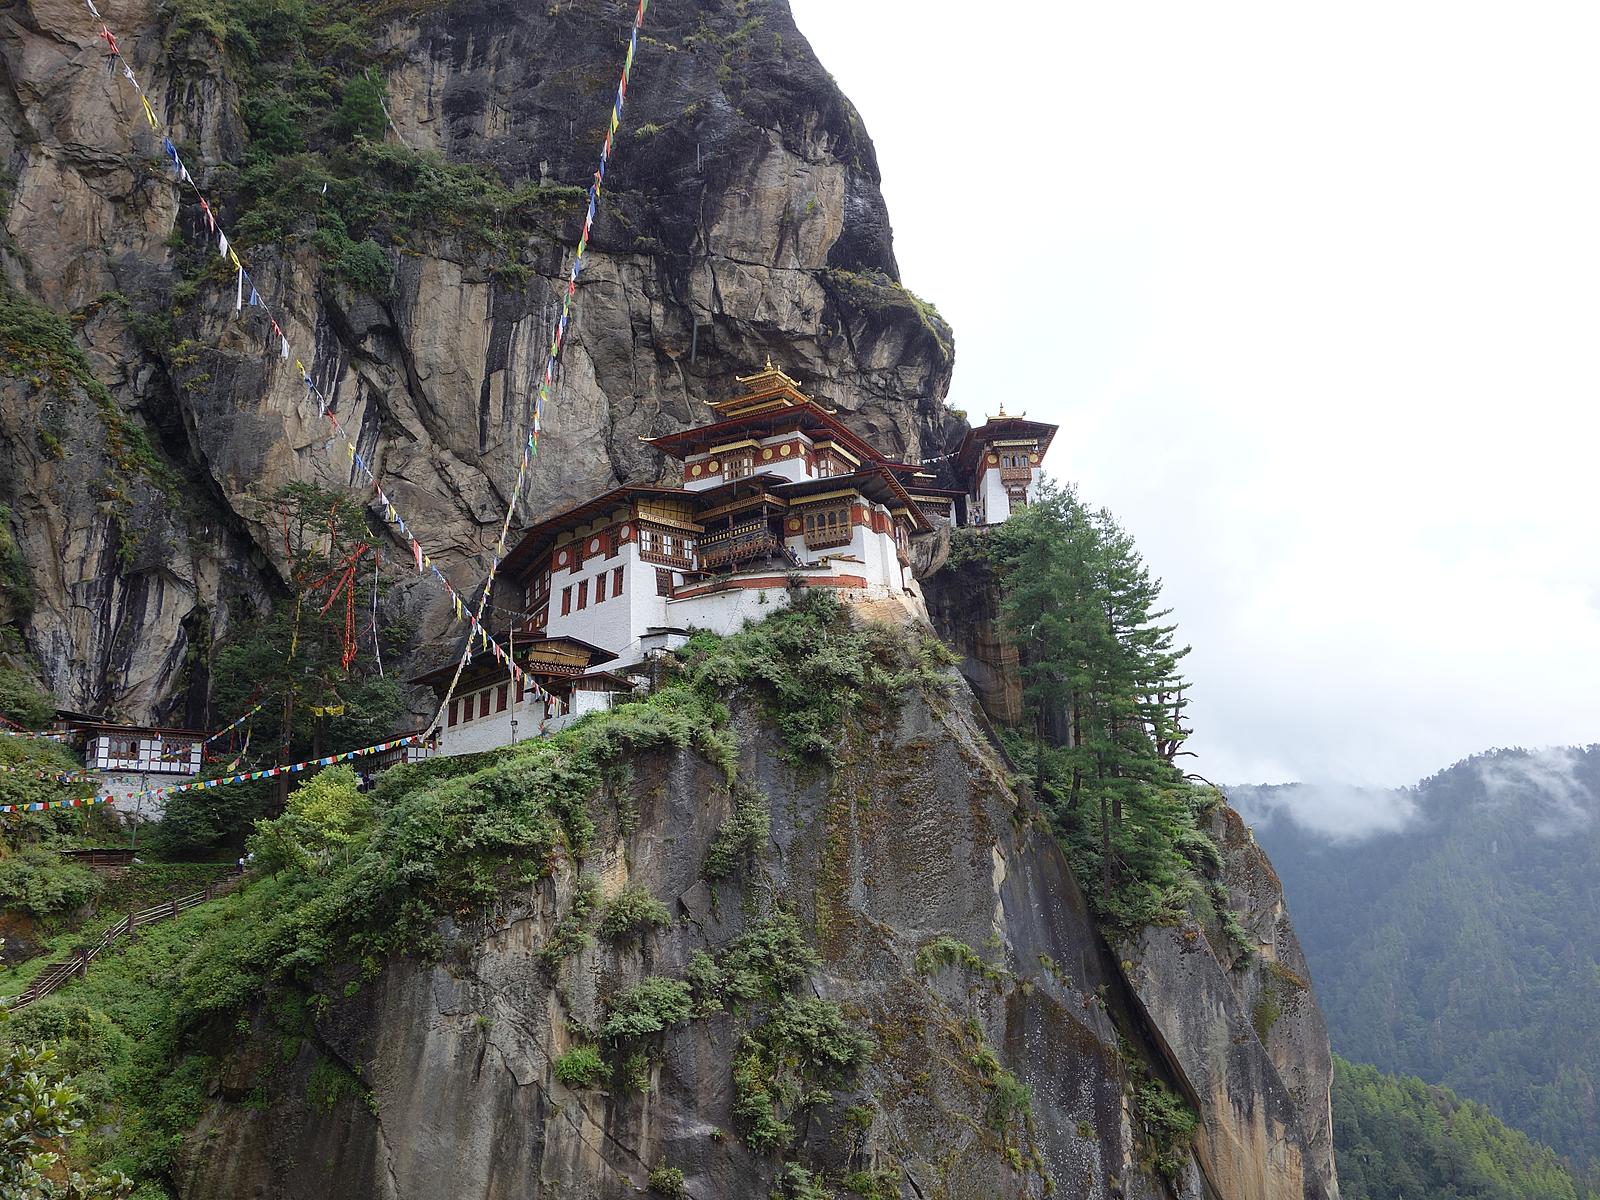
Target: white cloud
x=1543 y=785
x=1312 y=293
x=1336 y=812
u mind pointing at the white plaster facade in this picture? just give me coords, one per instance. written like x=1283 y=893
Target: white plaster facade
x=134 y=750
x=491 y=726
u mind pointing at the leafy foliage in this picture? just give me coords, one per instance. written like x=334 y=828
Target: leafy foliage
x=647 y=1008
x=21 y=700
x=1168 y=1125
x=814 y=672
x=667 y=1181
x=795 y=1182
x=38 y=880
x=1104 y=695
x=39 y=1106
x=632 y=910
x=581 y=1066
x=742 y=837
x=1395 y=1136
x=793 y=1046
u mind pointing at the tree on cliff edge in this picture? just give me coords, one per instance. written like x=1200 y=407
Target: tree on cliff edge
x=1099 y=665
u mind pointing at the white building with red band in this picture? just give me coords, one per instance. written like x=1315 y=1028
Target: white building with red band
x=777 y=493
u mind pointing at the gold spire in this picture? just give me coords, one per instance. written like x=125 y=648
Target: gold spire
x=768 y=377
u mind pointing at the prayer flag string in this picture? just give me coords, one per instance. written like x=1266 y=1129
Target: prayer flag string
x=227 y=250
x=569 y=294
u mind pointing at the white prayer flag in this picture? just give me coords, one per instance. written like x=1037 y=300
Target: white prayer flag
x=222 y=244
x=238 y=303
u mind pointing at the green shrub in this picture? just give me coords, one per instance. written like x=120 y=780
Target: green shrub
x=571 y=934
x=667 y=1181
x=794 y=1182
x=945 y=951
x=632 y=910
x=743 y=836
x=1168 y=1124
x=22 y=701
x=36 y=879
x=581 y=1066
x=1009 y=1098
x=647 y=1008
x=882 y=1184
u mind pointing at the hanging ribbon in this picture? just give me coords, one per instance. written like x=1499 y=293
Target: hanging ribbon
x=530 y=448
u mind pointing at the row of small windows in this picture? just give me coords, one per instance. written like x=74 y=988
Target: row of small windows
x=480 y=704
x=599 y=591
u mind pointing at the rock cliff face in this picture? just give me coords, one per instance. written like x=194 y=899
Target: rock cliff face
x=913 y=846
x=743 y=219
x=141 y=425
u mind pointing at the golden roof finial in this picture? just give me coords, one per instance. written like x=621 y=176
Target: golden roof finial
x=1002 y=411
x=769 y=362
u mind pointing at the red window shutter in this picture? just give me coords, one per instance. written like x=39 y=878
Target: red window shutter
x=468 y=708
x=616 y=581
x=583 y=595
x=483 y=703
x=453 y=704
x=566 y=600
x=600 y=587
x=500 y=697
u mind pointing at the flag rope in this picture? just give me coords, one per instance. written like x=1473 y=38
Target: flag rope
x=203 y=784
x=226 y=249
x=530 y=447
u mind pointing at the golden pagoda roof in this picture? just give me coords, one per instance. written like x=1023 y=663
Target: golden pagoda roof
x=767 y=388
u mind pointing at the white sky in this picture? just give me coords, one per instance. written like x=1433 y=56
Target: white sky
x=1314 y=293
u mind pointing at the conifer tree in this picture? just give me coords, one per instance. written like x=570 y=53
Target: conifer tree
x=1099 y=663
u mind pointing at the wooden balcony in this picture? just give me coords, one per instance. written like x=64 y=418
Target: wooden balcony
x=1016 y=474
x=737 y=545
x=681 y=560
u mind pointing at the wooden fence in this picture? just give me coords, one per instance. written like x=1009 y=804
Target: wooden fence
x=58 y=973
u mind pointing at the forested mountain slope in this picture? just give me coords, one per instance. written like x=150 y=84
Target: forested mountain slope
x=1461 y=946
x=1398 y=1138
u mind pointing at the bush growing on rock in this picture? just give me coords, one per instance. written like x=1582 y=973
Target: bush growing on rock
x=632 y=910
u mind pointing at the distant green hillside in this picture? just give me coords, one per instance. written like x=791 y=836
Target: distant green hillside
x=1462 y=948
x=1397 y=1138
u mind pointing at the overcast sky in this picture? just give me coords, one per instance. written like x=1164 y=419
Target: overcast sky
x=1314 y=294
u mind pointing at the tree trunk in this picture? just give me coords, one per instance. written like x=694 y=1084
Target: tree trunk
x=1105 y=849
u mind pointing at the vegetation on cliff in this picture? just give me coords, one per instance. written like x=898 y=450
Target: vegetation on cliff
x=1104 y=702
x=295 y=661
x=345 y=880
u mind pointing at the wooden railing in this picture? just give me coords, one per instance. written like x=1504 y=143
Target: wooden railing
x=750 y=541
x=58 y=973
x=1016 y=474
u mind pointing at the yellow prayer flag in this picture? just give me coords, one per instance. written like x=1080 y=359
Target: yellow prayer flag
x=150 y=113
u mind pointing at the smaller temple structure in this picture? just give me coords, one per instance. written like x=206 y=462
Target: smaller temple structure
x=132 y=759
x=1000 y=465
x=488 y=710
